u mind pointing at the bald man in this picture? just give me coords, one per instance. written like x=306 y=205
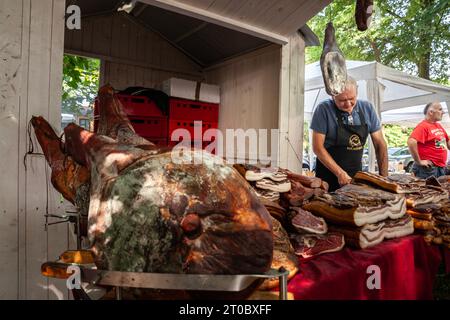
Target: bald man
x=341 y=126
x=428 y=143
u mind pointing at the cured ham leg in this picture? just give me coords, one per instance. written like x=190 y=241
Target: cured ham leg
x=332 y=64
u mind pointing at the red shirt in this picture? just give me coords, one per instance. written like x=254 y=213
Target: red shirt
x=431 y=142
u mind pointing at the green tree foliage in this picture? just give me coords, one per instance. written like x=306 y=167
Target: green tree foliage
x=396 y=136
x=408 y=35
x=80 y=83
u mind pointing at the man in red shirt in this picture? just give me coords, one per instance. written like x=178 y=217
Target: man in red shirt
x=428 y=144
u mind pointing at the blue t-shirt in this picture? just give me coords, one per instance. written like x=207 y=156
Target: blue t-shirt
x=324 y=119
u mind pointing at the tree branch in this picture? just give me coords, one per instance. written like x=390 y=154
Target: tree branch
x=395 y=14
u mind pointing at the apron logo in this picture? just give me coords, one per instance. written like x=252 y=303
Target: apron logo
x=354 y=142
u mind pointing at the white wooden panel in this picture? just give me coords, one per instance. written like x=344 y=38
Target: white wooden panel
x=119 y=39
x=219 y=19
x=22 y=142
x=57 y=234
x=121 y=76
x=292 y=104
x=278 y=18
x=283 y=114
x=248 y=91
x=38 y=97
x=34 y=32
x=10 y=48
x=296 y=105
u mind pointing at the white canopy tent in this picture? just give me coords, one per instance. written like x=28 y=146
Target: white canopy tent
x=398 y=97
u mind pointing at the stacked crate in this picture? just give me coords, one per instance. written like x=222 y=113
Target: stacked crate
x=189 y=115
x=146 y=118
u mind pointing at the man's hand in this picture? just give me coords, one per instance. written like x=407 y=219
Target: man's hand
x=343 y=178
x=425 y=163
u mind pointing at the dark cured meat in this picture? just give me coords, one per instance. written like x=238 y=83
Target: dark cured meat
x=332 y=64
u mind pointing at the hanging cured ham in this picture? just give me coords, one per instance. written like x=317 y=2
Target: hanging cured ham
x=363 y=14
x=332 y=64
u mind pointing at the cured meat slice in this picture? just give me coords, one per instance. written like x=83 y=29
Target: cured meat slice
x=267 y=184
x=428 y=207
x=310 y=182
x=363 y=14
x=283 y=255
x=379 y=181
x=419 y=215
x=267 y=194
x=275 y=210
x=270 y=173
x=311 y=245
x=357 y=205
x=304 y=221
x=426 y=195
x=423 y=224
x=332 y=64
x=374 y=233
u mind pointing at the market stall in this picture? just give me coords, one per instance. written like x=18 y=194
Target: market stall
x=140 y=212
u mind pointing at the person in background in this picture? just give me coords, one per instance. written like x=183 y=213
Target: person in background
x=340 y=127
x=428 y=144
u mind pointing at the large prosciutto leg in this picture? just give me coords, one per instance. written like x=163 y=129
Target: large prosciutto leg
x=332 y=63
x=67 y=176
x=363 y=14
x=148 y=213
x=114 y=122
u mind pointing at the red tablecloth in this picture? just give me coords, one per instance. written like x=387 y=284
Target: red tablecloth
x=407 y=268
x=446 y=255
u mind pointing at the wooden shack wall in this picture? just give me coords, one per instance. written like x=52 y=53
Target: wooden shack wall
x=249 y=93
x=31 y=53
x=131 y=54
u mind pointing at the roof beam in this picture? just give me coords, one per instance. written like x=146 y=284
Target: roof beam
x=191 y=32
x=412 y=101
x=220 y=20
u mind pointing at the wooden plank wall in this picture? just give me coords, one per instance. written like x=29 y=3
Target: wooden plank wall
x=249 y=91
x=132 y=55
x=291 y=110
x=30 y=83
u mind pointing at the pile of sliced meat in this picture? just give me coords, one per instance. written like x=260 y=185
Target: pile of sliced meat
x=427 y=202
x=308 y=233
x=364 y=215
x=432 y=219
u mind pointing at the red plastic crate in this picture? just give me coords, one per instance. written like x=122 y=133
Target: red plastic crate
x=133 y=106
x=190 y=126
x=154 y=127
x=193 y=110
x=139 y=106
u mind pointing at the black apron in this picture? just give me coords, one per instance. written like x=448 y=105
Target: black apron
x=347 y=150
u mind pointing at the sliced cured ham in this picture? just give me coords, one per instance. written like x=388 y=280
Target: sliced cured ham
x=374 y=233
x=311 y=245
x=304 y=221
x=357 y=205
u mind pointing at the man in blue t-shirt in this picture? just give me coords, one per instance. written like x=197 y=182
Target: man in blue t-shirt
x=340 y=127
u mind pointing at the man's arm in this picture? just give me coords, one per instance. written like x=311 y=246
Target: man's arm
x=412 y=145
x=381 y=152
x=322 y=154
